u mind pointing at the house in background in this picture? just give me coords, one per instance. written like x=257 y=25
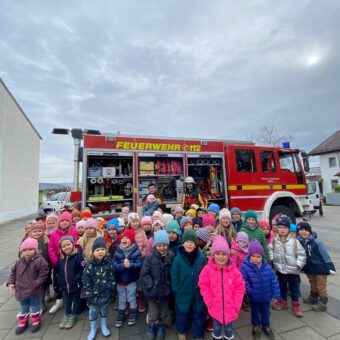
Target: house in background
x=46 y=190
x=329 y=152
x=19 y=159
x=314 y=175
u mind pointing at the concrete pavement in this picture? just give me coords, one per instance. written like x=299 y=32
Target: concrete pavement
x=286 y=326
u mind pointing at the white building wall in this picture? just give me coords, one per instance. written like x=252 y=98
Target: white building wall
x=328 y=172
x=19 y=161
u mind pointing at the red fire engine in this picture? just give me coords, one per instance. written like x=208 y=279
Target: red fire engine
x=117 y=170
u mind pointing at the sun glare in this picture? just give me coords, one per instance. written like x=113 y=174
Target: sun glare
x=312 y=60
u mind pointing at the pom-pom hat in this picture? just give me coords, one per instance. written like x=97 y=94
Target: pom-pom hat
x=29 y=243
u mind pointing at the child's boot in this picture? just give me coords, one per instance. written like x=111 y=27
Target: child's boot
x=132 y=316
x=280 y=304
x=63 y=322
x=141 y=302
x=150 y=331
x=103 y=327
x=182 y=336
x=93 y=330
x=22 y=323
x=297 y=309
x=120 y=318
x=35 y=322
x=71 y=321
x=269 y=332
x=321 y=305
x=256 y=332
x=160 y=335
x=209 y=324
x=312 y=298
x=57 y=305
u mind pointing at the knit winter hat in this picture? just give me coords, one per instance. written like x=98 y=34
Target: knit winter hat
x=150 y=197
x=159 y=223
x=146 y=220
x=75 y=213
x=113 y=224
x=220 y=244
x=52 y=215
x=284 y=221
x=86 y=213
x=80 y=224
x=29 y=243
x=172 y=226
x=133 y=216
x=65 y=216
x=190 y=235
x=130 y=234
x=208 y=220
x=157 y=214
x=99 y=242
x=91 y=223
x=121 y=222
x=185 y=220
x=68 y=237
x=178 y=210
x=255 y=248
x=242 y=236
x=293 y=228
x=305 y=226
x=250 y=213
x=203 y=234
x=236 y=210
x=214 y=207
x=224 y=212
x=161 y=236
x=193 y=206
x=167 y=218
x=197 y=220
x=37 y=226
x=264 y=224
x=191 y=212
x=125 y=210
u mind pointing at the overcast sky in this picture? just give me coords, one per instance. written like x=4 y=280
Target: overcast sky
x=213 y=69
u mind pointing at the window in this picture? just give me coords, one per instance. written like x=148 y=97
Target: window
x=267 y=161
x=332 y=162
x=334 y=183
x=286 y=161
x=245 y=160
x=311 y=188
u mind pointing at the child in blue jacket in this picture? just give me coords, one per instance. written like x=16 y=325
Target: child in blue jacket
x=261 y=287
x=319 y=265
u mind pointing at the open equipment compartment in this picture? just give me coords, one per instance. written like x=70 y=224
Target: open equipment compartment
x=164 y=170
x=109 y=182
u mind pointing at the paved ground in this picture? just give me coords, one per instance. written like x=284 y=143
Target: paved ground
x=313 y=325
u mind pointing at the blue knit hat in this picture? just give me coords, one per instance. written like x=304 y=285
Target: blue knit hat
x=250 y=213
x=235 y=210
x=284 y=221
x=197 y=220
x=113 y=223
x=172 y=226
x=161 y=236
x=185 y=220
x=214 y=207
x=99 y=242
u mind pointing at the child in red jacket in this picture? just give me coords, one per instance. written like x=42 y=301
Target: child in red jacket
x=222 y=288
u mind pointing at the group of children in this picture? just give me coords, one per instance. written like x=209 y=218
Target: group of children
x=199 y=267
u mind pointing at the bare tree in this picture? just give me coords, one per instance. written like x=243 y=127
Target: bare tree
x=271 y=135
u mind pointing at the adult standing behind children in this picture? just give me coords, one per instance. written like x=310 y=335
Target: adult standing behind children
x=152 y=191
x=192 y=195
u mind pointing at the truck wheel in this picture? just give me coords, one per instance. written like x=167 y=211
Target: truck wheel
x=282 y=209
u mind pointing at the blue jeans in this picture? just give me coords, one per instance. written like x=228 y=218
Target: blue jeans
x=291 y=280
x=103 y=311
x=197 y=320
x=72 y=304
x=217 y=332
x=127 y=294
x=33 y=303
x=260 y=313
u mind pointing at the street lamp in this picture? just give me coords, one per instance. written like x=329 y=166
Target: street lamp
x=77 y=135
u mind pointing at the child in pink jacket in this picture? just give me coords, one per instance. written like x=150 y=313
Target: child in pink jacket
x=239 y=248
x=222 y=288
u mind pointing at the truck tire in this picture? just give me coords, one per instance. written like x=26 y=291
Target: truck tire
x=282 y=209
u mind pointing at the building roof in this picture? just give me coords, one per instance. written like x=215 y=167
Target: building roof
x=52 y=186
x=331 y=144
x=19 y=107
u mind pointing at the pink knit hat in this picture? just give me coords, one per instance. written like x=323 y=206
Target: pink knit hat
x=65 y=216
x=146 y=220
x=208 y=219
x=80 y=224
x=52 y=215
x=157 y=214
x=29 y=243
x=125 y=210
x=264 y=224
x=220 y=244
x=91 y=223
x=149 y=197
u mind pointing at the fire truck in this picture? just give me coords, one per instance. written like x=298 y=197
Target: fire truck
x=117 y=170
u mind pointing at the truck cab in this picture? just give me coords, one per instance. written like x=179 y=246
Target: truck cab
x=314 y=194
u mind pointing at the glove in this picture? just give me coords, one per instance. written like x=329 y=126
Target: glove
x=332 y=272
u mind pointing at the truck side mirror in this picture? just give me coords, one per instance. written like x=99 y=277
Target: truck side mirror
x=305 y=162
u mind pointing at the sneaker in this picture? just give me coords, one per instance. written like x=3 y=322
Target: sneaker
x=120 y=318
x=321 y=305
x=269 y=332
x=279 y=304
x=297 y=309
x=63 y=322
x=58 y=304
x=256 y=332
x=132 y=316
x=71 y=320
